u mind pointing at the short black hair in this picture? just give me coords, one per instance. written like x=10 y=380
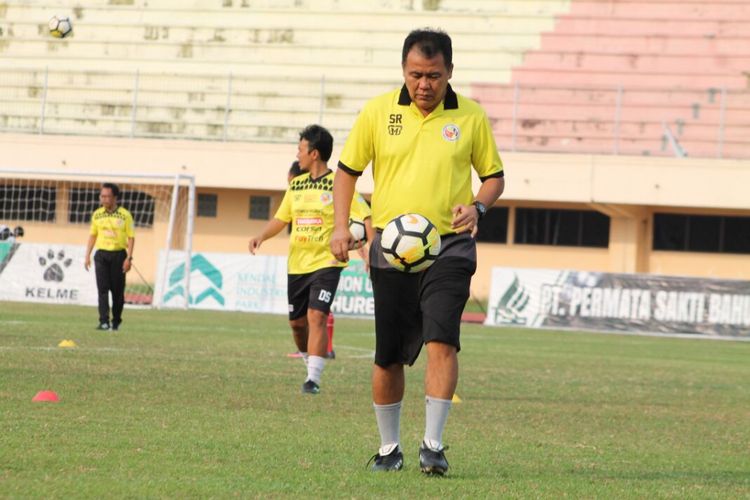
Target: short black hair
x=295 y=169
x=319 y=138
x=113 y=187
x=430 y=42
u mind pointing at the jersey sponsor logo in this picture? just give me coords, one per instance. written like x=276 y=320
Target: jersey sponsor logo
x=451 y=132
x=394 y=124
x=309 y=221
x=326 y=198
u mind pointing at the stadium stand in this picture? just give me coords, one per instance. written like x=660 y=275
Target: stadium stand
x=661 y=77
x=235 y=69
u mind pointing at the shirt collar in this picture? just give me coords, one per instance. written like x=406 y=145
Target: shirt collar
x=450 y=101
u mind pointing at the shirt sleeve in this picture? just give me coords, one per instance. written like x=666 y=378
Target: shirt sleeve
x=284 y=213
x=93 y=231
x=359 y=148
x=484 y=155
x=360 y=210
x=129 y=230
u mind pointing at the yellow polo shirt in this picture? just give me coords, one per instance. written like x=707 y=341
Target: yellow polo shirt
x=112 y=229
x=421 y=164
x=308 y=205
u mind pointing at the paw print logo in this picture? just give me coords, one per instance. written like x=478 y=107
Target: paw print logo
x=54 y=264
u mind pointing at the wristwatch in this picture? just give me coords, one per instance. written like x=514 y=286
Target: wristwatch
x=481 y=209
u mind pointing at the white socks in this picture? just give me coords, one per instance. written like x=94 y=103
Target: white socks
x=315 y=366
x=436 y=415
x=389 y=425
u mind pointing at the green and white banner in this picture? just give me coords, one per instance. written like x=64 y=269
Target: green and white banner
x=354 y=294
x=619 y=302
x=224 y=281
x=250 y=283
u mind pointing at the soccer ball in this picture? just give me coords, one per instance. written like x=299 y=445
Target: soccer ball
x=357 y=228
x=410 y=242
x=60 y=26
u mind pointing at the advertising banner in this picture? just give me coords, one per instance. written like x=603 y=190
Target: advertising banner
x=251 y=283
x=225 y=281
x=31 y=272
x=619 y=302
x=354 y=294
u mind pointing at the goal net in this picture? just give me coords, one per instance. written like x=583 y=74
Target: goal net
x=47 y=216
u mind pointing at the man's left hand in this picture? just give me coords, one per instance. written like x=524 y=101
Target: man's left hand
x=465 y=219
x=126 y=265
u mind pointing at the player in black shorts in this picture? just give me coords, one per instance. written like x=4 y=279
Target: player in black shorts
x=422 y=140
x=313 y=272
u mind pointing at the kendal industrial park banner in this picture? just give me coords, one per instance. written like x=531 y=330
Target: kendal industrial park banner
x=619 y=302
x=242 y=282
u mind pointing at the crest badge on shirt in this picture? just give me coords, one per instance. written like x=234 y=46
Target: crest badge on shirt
x=451 y=132
x=326 y=198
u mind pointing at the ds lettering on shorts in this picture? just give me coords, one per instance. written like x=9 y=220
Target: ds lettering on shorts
x=325 y=296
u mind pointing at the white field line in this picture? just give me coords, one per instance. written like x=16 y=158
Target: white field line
x=369 y=353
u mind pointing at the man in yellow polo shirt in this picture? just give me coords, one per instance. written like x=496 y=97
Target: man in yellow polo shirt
x=422 y=140
x=112 y=235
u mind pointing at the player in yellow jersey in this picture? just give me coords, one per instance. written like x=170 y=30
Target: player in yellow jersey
x=423 y=140
x=313 y=272
x=112 y=235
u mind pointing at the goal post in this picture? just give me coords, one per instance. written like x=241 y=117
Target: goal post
x=53 y=209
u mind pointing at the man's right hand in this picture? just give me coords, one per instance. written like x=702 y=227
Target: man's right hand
x=341 y=241
x=87 y=262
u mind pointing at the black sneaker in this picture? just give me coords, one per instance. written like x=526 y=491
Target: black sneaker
x=331 y=355
x=385 y=463
x=310 y=387
x=103 y=326
x=432 y=462
x=115 y=327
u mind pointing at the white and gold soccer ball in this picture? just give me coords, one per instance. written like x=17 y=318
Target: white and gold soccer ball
x=60 y=26
x=357 y=228
x=410 y=242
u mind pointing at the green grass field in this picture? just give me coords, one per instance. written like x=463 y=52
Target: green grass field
x=202 y=404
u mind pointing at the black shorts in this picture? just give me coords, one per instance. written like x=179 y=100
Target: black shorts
x=413 y=309
x=314 y=290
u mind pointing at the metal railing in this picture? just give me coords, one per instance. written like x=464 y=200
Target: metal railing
x=713 y=122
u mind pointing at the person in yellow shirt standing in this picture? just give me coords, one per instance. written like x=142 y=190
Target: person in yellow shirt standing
x=423 y=141
x=113 y=237
x=313 y=271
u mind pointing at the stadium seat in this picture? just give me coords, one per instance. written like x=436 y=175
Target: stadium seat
x=166 y=67
x=614 y=76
